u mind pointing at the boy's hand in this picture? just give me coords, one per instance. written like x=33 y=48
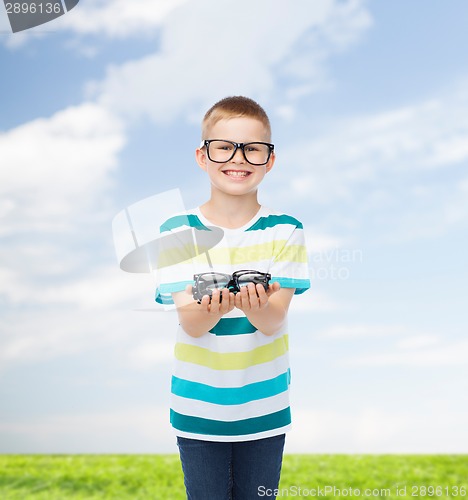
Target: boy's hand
x=254 y=297
x=215 y=306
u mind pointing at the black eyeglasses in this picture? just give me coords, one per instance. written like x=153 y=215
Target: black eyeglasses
x=221 y=151
x=205 y=283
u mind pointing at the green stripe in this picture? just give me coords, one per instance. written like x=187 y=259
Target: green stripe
x=231 y=360
x=274 y=220
x=197 y=425
x=233 y=326
x=183 y=220
x=230 y=395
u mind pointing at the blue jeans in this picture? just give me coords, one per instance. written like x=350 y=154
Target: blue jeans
x=241 y=470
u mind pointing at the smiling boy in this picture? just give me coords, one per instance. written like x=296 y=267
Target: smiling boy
x=230 y=386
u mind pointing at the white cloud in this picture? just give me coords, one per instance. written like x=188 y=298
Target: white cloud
x=374 y=430
x=144 y=429
x=451 y=353
x=57 y=167
x=202 y=57
x=318 y=242
x=119 y=18
x=115 y=19
x=417 y=341
x=362 y=330
x=313 y=301
x=136 y=340
x=428 y=135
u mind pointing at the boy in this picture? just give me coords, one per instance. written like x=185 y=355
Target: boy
x=230 y=401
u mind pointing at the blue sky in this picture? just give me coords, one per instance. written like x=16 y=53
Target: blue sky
x=369 y=109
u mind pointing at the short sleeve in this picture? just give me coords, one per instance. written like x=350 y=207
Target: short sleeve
x=175 y=268
x=289 y=265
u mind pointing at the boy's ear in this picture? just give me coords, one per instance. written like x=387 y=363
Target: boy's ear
x=271 y=162
x=200 y=156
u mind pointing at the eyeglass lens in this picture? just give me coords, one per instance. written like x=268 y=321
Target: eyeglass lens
x=256 y=153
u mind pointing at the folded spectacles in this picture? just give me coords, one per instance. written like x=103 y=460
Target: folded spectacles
x=205 y=283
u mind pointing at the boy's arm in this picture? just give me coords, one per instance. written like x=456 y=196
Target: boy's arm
x=267 y=311
x=197 y=319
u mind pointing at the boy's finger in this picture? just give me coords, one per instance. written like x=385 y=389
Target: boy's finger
x=262 y=295
x=273 y=287
x=205 y=302
x=253 y=297
x=225 y=300
x=232 y=301
x=215 y=300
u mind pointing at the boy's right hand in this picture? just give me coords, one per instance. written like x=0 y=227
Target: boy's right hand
x=216 y=307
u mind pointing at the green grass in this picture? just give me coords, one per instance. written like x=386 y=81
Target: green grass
x=58 y=477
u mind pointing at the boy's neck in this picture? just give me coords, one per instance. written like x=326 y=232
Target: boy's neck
x=230 y=211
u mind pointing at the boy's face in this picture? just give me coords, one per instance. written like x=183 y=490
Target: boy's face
x=236 y=176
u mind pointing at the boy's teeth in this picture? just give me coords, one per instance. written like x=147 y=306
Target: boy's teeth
x=236 y=173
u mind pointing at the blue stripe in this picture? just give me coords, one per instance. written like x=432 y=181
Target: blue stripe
x=301 y=285
x=163 y=293
x=233 y=326
x=254 y=425
x=274 y=220
x=189 y=220
x=163 y=299
x=230 y=395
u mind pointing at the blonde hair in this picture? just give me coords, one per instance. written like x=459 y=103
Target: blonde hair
x=234 y=107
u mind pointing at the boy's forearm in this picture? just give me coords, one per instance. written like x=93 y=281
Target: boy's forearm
x=195 y=323
x=268 y=319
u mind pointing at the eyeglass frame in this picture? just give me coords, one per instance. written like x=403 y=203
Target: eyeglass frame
x=237 y=145
x=232 y=285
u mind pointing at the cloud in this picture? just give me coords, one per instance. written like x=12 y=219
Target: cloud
x=451 y=353
x=395 y=143
x=375 y=430
x=119 y=18
x=362 y=330
x=144 y=429
x=57 y=167
x=313 y=301
x=54 y=332
x=61 y=291
x=113 y=19
x=204 y=52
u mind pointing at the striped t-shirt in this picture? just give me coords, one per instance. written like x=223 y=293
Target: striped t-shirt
x=231 y=384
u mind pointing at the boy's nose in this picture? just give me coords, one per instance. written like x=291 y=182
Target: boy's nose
x=238 y=156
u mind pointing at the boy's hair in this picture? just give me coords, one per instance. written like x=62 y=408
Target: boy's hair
x=234 y=107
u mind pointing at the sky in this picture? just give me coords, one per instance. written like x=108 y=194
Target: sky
x=368 y=101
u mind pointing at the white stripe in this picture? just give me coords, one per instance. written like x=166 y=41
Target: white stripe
x=245 y=437
x=229 y=343
x=230 y=413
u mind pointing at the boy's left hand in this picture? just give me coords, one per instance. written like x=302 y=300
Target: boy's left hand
x=254 y=297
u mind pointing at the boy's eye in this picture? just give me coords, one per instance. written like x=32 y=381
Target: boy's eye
x=224 y=146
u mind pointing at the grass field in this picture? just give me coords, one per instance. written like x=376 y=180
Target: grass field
x=140 y=477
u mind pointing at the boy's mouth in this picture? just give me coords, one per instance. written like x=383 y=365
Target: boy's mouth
x=237 y=173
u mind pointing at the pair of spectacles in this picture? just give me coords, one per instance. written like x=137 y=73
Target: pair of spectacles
x=255 y=153
x=205 y=283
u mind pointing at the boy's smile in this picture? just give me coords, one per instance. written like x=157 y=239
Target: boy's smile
x=236 y=174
